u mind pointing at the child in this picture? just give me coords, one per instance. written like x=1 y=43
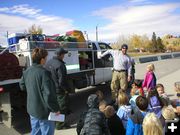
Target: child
x=102 y=102
x=102 y=106
x=134 y=124
x=114 y=122
x=168 y=114
x=94 y=121
x=132 y=101
x=124 y=110
x=135 y=92
x=152 y=125
x=137 y=86
x=80 y=122
x=155 y=103
x=100 y=95
x=162 y=94
x=150 y=79
x=177 y=101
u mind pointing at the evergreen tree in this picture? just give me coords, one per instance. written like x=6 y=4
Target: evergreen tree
x=160 y=46
x=154 y=43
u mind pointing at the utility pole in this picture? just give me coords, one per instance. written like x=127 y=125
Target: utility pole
x=96 y=33
x=86 y=34
x=7 y=34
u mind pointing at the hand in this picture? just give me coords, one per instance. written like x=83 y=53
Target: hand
x=99 y=56
x=57 y=113
x=129 y=78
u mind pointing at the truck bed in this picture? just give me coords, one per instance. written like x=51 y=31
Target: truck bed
x=9 y=81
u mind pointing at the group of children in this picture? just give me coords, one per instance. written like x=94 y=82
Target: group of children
x=143 y=112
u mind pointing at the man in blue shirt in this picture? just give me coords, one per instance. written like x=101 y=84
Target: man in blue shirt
x=121 y=69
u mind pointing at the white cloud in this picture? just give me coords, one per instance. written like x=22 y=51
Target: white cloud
x=21 y=10
x=19 y=18
x=109 y=12
x=143 y=19
x=4 y=9
x=24 y=9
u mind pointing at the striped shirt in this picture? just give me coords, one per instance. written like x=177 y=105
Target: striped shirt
x=120 y=61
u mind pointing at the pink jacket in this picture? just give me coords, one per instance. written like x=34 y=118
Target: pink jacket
x=149 y=81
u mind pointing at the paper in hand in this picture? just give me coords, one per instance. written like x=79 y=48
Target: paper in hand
x=55 y=117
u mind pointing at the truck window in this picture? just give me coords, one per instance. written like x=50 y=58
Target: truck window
x=85 y=60
x=92 y=46
x=104 y=46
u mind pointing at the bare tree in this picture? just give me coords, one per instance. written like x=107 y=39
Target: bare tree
x=121 y=40
x=35 y=29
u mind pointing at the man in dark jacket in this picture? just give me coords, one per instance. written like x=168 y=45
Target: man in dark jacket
x=41 y=95
x=58 y=70
x=94 y=122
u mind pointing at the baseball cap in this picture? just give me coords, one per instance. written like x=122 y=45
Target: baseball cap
x=60 y=51
x=124 y=46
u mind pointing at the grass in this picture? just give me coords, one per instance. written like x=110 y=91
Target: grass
x=135 y=54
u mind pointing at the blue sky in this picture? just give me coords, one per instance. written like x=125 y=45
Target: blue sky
x=114 y=18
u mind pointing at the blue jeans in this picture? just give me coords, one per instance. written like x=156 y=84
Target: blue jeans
x=42 y=127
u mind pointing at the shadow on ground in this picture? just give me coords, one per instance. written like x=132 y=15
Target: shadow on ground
x=21 y=123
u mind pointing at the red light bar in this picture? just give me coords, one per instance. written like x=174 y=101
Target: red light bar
x=1 y=89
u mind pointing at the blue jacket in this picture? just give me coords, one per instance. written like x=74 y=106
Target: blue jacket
x=123 y=113
x=134 y=124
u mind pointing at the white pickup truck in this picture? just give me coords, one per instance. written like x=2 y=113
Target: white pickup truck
x=83 y=67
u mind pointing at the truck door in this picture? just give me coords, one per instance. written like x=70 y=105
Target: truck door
x=102 y=66
x=97 y=65
x=107 y=62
